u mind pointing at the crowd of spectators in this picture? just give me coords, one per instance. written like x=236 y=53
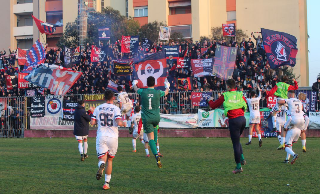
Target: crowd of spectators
x=251 y=68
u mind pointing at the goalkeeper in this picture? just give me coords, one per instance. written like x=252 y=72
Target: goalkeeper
x=150 y=114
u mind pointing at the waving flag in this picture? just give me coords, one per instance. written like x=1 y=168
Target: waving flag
x=22 y=56
x=9 y=82
x=125 y=44
x=202 y=67
x=35 y=56
x=280 y=47
x=56 y=78
x=95 y=51
x=225 y=61
x=112 y=86
x=153 y=65
x=164 y=33
x=44 y=28
x=228 y=29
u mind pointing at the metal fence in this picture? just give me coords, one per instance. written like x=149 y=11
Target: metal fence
x=15 y=111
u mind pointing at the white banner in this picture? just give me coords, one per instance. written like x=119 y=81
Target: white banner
x=314 y=122
x=50 y=123
x=53 y=106
x=178 y=121
x=205 y=119
x=164 y=33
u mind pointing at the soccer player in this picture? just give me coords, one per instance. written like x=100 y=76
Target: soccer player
x=295 y=123
x=81 y=127
x=150 y=106
x=280 y=121
x=137 y=131
x=234 y=106
x=125 y=103
x=281 y=90
x=108 y=118
x=254 y=108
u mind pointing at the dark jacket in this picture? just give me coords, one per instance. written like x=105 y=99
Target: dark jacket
x=81 y=121
x=316 y=86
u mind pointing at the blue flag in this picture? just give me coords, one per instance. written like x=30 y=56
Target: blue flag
x=281 y=48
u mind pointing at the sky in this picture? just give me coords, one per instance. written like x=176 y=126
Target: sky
x=314 y=39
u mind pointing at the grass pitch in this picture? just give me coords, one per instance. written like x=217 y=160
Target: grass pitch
x=190 y=165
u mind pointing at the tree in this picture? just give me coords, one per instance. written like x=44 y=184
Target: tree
x=151 y=30
x=216 y=33
x=119 y=25
x=176 y=36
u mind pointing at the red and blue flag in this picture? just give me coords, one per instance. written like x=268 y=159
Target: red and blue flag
x=35 y=56
x=153 y=65
x=44 y=28
x=281 y=48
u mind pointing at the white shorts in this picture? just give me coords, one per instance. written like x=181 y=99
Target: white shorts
x=254 y=119
x=292 y=135
x=126 y=110
x=145 y=138
x=279 y=127
x=106 y=145
x=136 y=135
x=277 y=107
x=80 y=138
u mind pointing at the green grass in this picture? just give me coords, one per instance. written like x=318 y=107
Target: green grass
x=190 y=165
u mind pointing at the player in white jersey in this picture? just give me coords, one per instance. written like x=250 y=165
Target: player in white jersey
x=305 y=102
x=125 y=103
x=108 y=117
x=254 y=109
x=138 y=131
x=295 y=123
x=281 y=120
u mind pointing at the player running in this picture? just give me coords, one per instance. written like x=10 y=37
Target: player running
x=138 y=131
x=150 y=106
x=281 y=91
x=234 y=104
x=125 y=103
x=294 y=124
x=254 y=108
x=108 y=118
x=280 y=121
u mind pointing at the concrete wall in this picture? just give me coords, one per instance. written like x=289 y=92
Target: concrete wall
x=218 y=13
x=70 y=11
x=119 y=5
x=43 y=17
x=201 y=20
x=158 y=11
x=5 y=25
x=286 y=16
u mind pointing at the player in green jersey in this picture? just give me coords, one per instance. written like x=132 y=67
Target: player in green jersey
x=150 y=112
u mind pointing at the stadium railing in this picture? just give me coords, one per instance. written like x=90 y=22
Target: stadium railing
x=15 y=111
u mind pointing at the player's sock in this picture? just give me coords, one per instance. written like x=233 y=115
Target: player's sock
x=288 y=156
x=80 y=147
x=279 y=138
x=155 y=135
x=100 y=162
x=147 y=151
x=259 y=136
x=242 y=157
x=250 y=137
x=107 y=178
x=158 y=149
x=238 y=165
x=85 y=147
x=134 y=144
x=142 y=142
x=303 y=143
x=153 y=147
x=290 y=151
